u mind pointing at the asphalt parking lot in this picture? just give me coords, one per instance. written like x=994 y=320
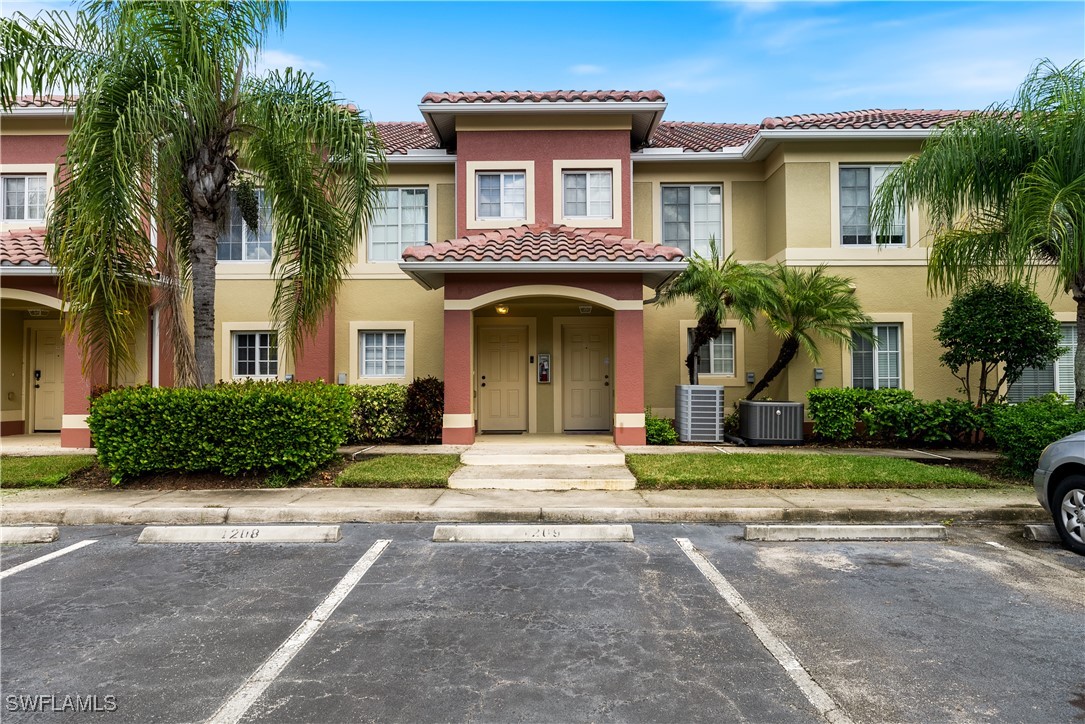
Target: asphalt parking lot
x=982 y=627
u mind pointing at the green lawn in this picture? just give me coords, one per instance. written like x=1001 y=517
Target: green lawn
x=399 y=471
x=767 y=470
x=41 y=471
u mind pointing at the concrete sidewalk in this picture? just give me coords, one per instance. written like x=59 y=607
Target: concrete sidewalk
x=336 y=505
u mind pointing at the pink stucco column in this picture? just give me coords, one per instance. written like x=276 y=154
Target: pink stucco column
x=629 y=377
x=77 y=386
x=316 y=353
x=459 y=424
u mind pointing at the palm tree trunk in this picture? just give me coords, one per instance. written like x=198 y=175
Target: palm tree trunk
x=788 y=350
x=203 y=257
x=707 y=329
x=1078 y=292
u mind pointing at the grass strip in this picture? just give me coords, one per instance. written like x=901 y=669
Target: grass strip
x=40 y=471
x=783 y=470
x=399 y=471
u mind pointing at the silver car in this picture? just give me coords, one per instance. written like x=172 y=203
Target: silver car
x=1060 y=488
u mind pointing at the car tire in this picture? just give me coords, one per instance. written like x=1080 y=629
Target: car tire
x=1068 y=510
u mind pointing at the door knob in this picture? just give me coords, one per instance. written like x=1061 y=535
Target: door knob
x=483 y=384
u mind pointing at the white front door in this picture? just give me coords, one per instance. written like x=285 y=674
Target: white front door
x=502 y=379
x=586 y=379
x=47 y=381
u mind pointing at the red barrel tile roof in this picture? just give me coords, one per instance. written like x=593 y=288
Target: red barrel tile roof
x=539 y=96
x=871 y=118
x=398 y=138
x=23 y=247
x=43 y=101
x=541 y=243
x=701 y=136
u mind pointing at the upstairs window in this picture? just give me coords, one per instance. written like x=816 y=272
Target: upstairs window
x=256 y=354
x=587 y=194
x=858 y=184
x=401 y=221
x=502 y=195
x=24 y=197
x=692 y=217
x=1058 y=376
x=718 y=356
x=876 y=366
x=240 y=243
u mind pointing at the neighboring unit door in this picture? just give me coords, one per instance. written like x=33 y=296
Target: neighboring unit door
x=48 y=379
x=502 y=379
x=586 y=379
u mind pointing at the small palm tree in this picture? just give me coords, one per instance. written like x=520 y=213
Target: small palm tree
x=805 y=304
x=1005 y=189
x=718 y=287
x=169 y=124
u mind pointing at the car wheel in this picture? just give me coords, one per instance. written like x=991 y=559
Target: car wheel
x=1068 y=509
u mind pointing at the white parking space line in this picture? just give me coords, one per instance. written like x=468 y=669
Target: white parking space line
x=247 y=694
x=821 y=700
x=46 y=558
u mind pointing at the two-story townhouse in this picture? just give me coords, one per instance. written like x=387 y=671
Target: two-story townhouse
x=521 y=241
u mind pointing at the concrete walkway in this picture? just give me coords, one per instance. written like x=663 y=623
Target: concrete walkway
x=335 y=505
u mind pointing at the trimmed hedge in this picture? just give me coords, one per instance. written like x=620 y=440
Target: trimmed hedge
x=378 y=413
x=286 y=430
x=658 y=430
x=891 y=416
x=424 y=409
x=1022 y=431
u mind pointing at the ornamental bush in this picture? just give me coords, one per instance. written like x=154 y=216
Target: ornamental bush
x=286 y=430
x=890 y=416
x=378 y=413
x=1022 y=431
x=424 y=410
x=658 y=430
x=835 y=410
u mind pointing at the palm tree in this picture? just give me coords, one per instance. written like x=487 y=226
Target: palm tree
x=718 y=287
x=169 y=124
x=805 y=304
x=1005 y=189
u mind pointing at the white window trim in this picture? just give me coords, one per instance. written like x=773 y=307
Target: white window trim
x=226 y=364
x=428 y=188
x=245 y=231
x=907 y=349
x=29 y=169
x=722 y=241
x=738 y=379
x=26 y=196
x=474 y=168
x=911 y=217
x=563 y=166
x=355 y=350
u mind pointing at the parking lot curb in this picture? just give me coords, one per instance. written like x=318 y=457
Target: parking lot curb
x=45 y=514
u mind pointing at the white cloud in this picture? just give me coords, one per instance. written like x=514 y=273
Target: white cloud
x=281 y=60
x=587 y=69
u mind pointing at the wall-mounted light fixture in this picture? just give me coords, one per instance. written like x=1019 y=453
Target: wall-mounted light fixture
x=585 y=309
x=502 y=309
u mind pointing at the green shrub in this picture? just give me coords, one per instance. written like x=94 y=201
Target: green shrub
x=835 y=410
x=898 y=418
x=1022 y=431
x=425 y=409
x=378 y=413
x=283 y=430
x=658 y=430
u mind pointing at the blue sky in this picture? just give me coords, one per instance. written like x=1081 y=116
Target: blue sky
x=722 y=61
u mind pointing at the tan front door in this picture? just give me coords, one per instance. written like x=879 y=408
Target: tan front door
x=502 y=379
x=47 y=381
x=586 y=379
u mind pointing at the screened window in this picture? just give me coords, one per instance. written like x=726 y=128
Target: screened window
x=587 y=194
x=24 y=198
x=256 y=354
x=401 y=221
x=1056 y=377
x=240 y=243
x=502 y=195
x=384 y=353
x=857 y=187
x=692 y=217
x=718 y=356
x=875 y=366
